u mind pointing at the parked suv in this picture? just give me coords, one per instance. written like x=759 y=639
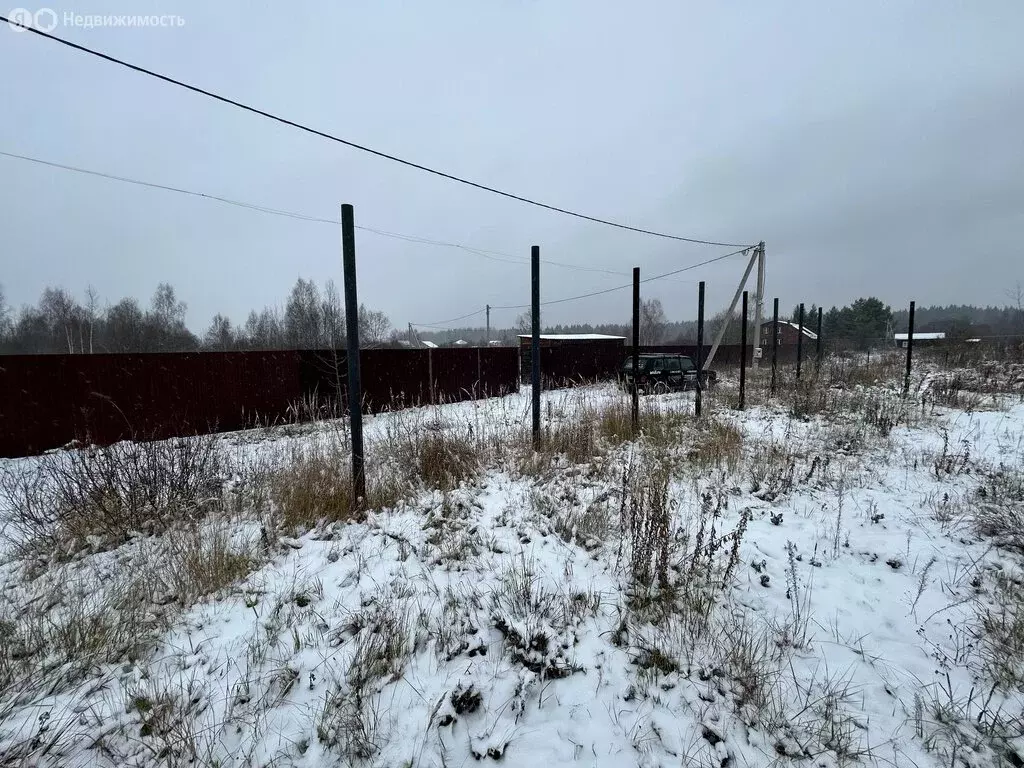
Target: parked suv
x=664 y=372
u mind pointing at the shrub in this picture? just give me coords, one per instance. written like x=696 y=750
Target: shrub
x=106 y=494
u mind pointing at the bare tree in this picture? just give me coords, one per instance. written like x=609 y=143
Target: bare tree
x=303 y=316
x=92 y=304
x=374 y=327
x=652 y=321
x=5 y=314
x=220 y=335
x=126 y=326
x=524 y=323
x=1016 y=296
x=264 y=330
x=59 y=310
x=333 y=316
x=166 y=307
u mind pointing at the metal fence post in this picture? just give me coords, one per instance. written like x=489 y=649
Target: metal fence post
x=535 y=339
x=818 y=352
x=698 y=394
x=479 y=373
x=743 y=355
x=910 y=349
x=800 y=341
x=775 y=344
x=636 y=348
x=355 y=391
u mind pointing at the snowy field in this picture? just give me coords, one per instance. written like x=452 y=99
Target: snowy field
x=830 y=578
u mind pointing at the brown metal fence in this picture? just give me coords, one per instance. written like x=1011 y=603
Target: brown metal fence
x=47 y=401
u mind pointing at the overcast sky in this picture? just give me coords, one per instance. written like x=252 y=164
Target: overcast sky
x=875 y=146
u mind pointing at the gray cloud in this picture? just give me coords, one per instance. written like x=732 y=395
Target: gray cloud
x=874 y=147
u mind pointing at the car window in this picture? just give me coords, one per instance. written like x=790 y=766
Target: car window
x=672 y=364
x=655 y=366
x=688 y=364
x=628 y=365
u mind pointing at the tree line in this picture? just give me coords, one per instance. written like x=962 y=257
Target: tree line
x=864 y=323
x=311 y=318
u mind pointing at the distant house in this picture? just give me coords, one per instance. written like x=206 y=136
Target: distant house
x=460 y=343
x=429 y=344
x=919 y=338
x=788 y=333
x=495 y=343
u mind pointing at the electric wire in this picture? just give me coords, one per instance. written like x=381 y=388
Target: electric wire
x=353 y=144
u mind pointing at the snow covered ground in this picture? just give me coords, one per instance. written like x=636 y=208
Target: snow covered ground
x=834 y=588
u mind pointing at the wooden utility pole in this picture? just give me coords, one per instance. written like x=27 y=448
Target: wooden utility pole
x=488 y=337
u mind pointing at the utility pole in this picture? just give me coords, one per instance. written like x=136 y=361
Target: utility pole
x=732 y=308
x=488 y=337
x=758 y=304
x=410 y=334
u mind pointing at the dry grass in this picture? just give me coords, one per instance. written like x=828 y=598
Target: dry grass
x=644 y=511
x=315 y=487
x=200 y=560
x=99 y=497
x=716 y=445
x=441 y=460
x=1000 y=631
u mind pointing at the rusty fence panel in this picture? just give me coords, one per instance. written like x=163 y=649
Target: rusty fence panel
x=49 y=401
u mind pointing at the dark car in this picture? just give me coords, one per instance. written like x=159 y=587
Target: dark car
x=664 y=373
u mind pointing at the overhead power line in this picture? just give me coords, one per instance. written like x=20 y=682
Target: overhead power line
x=442 y=324
x=507 y=258
x=664 y=275
x=355 y=145
x=630 y=285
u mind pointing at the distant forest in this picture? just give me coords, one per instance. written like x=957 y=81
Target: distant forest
x=313 y=317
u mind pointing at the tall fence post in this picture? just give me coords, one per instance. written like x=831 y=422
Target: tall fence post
x=910 y=349
x=775 y=344
x=535 y=339
x=800 y=341
x=698 y=394
x=743 y=356
x=479 y=373
x=355 y=390
x=430 y=375
x=818 y=351
x=636 y=348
